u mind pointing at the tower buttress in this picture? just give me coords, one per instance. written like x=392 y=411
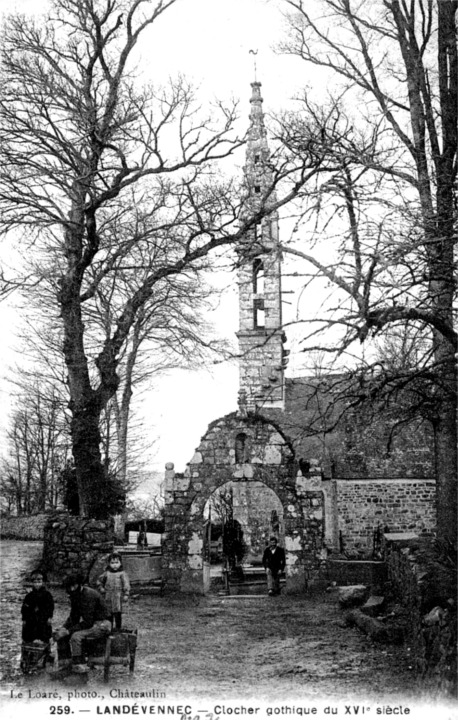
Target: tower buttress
x=261 y=337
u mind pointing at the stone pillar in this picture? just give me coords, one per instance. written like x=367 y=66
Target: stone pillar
x=168 y=482
x=182 y=547
x=310 y=493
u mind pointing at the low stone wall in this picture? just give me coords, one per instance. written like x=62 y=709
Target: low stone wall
x=402 y=505
x=426 y=587
x=23 y=527
x=73 y=544
x=357 y=572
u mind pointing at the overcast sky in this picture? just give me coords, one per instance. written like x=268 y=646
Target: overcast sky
x=209 y=41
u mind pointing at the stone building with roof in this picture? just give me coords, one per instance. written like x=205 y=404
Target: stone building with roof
x=298 y=458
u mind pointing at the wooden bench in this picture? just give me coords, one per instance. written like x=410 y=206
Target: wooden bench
x=119 y=648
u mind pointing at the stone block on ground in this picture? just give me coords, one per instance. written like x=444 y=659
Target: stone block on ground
x=376 y=630
x=434 y=617
x=373 y=605
x=353 y=595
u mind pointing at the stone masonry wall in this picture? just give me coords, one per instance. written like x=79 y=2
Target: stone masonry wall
x=73 y=544
x=399 y=505
x=425 y=584
x=23 y=527
x=261 y=371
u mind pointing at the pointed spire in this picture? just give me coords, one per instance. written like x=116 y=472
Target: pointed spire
x=257 y=130
x=254 y=53
x=258 y=170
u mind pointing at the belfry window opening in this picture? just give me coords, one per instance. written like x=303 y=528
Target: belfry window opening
x=259 y=314
x=258 y=276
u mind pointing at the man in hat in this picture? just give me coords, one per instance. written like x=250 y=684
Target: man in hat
x=273 y=561
x=88 y=620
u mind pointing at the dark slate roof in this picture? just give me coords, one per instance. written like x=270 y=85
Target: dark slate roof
x=328 y=419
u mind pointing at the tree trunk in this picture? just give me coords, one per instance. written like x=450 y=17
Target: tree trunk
x=122 y=409
x=84 y=402
x=440 y=235
x=123 y=424
x=446 y=462
x=446 y=455
x=90 y=475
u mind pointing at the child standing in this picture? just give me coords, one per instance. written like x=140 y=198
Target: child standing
x=115 y=587
x=37 y=611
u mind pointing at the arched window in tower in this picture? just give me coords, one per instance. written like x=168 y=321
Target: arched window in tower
x=241 y=449
x=259 y=314
x=258 y=276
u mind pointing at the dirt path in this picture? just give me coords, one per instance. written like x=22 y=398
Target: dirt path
x=275 y=648
x=270 y=648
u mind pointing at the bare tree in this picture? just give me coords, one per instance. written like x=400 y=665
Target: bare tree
x=141 y=508
x=396 y=61
x=168 y=332
x=38 y=449
x=103 y=177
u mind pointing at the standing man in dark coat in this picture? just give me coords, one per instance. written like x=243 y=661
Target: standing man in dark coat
x=273 y=561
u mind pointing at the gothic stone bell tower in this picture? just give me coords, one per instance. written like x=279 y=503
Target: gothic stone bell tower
x=261 y=337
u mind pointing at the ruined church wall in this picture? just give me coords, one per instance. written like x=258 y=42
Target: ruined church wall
x=269 y=460
x=401 y=505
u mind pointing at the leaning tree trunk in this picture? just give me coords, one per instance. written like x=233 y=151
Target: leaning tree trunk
x=84 y=404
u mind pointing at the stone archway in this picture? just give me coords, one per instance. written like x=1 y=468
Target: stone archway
x=255 y=507
x=239 y=517
x=267 y=461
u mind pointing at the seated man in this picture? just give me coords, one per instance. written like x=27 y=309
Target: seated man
x=88 y=620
